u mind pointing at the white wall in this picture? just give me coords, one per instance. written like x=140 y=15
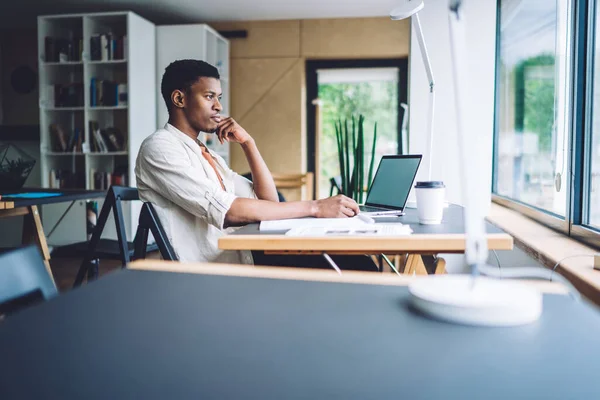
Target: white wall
x=481 y=42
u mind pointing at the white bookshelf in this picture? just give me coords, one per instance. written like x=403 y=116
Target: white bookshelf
x=200 y=42
x=135 y=120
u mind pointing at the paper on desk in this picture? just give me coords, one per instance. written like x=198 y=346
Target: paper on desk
x=364 y=230
x=286 y=224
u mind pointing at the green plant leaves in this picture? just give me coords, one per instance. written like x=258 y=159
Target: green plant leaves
x=351 y=154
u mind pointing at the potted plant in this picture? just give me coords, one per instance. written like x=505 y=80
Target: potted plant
x=351 y=155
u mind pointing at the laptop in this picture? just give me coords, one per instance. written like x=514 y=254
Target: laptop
x=391 y=185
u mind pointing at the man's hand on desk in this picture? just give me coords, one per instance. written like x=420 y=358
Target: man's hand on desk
x=338 y=206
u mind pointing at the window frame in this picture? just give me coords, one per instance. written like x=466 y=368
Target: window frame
x=577 y=179
x=582 y=135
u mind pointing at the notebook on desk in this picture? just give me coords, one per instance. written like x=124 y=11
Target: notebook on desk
x=391 y=185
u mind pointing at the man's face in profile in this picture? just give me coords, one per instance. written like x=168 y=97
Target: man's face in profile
x=203 y=106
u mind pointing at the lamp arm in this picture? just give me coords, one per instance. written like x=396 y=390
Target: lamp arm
x=424 y=54
x=430 y=114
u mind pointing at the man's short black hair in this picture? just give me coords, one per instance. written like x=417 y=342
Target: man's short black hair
x=182 y=74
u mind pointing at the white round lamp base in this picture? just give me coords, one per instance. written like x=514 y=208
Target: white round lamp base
x=479 y=301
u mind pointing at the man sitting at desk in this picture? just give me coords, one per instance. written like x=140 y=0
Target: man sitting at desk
x=196 y=195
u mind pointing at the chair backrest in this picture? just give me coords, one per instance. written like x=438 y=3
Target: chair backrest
x=295 y=181
x=150 y=222
x=125 y=193
x=24 y=279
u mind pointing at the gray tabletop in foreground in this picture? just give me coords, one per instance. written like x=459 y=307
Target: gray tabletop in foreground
x=140 y=334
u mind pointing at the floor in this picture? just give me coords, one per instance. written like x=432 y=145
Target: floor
x=65 y=269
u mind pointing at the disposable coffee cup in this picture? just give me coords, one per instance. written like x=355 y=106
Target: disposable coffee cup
x=430 y=201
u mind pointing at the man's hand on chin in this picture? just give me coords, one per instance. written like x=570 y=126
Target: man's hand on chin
x=229 y=130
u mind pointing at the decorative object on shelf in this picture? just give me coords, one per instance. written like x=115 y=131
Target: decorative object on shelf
x=15 y=167
x=351 y=154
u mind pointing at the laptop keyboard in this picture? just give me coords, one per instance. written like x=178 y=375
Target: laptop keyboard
x=372 y=209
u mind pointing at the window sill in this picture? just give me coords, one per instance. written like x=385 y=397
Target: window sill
x=549 y=246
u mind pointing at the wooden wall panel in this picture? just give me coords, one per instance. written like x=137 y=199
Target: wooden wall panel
x=275 y=123
x=354 y=38
x=266 y=39
x=253 y=78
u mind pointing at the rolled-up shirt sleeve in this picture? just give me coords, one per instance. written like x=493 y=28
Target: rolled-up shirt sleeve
x=167 y=169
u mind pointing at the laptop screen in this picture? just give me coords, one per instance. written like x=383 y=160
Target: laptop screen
x=393 y=180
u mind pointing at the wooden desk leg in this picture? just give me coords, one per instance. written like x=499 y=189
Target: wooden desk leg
x=33 y=232
x=434 y=264
x=415 y=265
x=424 y=265
x=440 y=267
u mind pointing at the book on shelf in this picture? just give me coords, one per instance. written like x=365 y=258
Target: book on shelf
x=65 y=179
x=102 y=180
x=63 y=95
x=60 y=141
x=108 y=47
x=106 y=140
x=58 y=49
x=107 y=93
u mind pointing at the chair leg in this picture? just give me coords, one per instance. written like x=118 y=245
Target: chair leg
x=121 y=233
x=93 y=243
x=93 y=269
x=164 y=246
x=141 y=243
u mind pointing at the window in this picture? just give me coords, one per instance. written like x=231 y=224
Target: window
x=372 y=92
x=593 y=151
x=376 y=89
x=532 y=134
x=547 y=136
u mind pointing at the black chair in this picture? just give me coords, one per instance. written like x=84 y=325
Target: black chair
x=24 y=280
x=149 y=222
x=98 y=248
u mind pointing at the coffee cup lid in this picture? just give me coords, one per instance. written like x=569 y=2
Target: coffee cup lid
x=430 y=185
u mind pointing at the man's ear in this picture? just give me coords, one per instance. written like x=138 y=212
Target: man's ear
x=178 y=98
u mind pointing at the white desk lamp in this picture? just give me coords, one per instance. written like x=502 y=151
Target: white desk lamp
x=407 y=9
x=471 y=299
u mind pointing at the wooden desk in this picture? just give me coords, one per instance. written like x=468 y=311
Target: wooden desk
x=153 y=334
x=33 y=232
x=424 y=244
x=302 y=274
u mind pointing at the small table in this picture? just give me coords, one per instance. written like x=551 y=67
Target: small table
x=196 y=331
x=422 y=246
x=33 y=232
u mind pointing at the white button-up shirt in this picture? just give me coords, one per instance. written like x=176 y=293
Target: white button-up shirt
x=174 y=176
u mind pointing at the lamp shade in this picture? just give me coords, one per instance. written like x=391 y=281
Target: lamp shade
x=407 y=9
